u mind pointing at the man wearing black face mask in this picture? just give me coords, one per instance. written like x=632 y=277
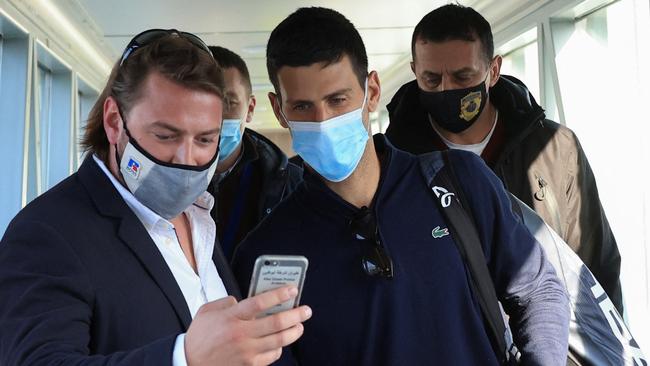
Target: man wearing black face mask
x=460 y=101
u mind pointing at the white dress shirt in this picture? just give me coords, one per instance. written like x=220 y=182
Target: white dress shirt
x=199 y=288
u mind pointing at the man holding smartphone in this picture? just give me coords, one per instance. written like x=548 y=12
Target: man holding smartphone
x=386 y=280
x=118 y=264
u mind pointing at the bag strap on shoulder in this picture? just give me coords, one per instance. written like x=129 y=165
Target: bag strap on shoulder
x=450 y=199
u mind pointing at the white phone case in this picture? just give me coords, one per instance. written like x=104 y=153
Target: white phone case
x=274 y=271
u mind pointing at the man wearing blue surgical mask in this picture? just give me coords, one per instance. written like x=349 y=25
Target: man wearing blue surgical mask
x=386 y=280
x=253 y=174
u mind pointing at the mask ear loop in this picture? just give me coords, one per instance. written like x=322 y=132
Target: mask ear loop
x=487 y=87
x=365 y=99
x=487 y=93
x=118 y=160
x=365 y=94
x=486 y=77
x=128 y=134
x=286 y=120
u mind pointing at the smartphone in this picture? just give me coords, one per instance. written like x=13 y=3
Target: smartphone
x=274 y=271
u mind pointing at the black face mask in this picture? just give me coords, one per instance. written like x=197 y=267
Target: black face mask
x=455 y=110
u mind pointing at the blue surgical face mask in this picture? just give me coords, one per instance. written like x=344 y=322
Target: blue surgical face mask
x=333 y=147
x=231 y=136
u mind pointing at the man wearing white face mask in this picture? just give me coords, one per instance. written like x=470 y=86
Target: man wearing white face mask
x=118 y=264
x=386 y=279
x=253 y=174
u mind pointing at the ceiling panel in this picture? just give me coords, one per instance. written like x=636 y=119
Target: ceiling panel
x=205 y=16
x=244 y=27
x=387 y=40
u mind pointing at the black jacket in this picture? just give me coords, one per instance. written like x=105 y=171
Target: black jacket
x=541 y=162
x=81 y=281
x=261 y=179
x=279 y=177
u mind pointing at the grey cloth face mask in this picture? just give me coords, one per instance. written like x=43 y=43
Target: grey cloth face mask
x=165 y=188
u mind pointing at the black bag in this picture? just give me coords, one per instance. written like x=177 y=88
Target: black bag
x=469 y=246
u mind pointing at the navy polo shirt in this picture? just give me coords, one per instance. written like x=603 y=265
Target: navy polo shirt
x=426 y=314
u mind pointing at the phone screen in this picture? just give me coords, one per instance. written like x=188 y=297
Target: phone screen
x=272 y=272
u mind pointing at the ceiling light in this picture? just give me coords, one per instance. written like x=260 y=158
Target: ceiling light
x=255 y=50
x=60 y=19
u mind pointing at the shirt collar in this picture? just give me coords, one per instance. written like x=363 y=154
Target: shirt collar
x=469 y=147
x=149 y=218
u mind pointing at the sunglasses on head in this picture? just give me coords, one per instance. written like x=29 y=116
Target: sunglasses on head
x=375 y=261
x=151 y=35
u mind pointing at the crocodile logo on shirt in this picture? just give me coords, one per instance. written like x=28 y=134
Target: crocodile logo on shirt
x=438 y=233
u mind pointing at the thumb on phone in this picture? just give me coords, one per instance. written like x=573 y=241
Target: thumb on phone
x=249 y=308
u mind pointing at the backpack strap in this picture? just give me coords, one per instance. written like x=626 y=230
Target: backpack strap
x=454 y=207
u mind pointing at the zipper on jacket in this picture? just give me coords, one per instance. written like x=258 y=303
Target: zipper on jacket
x=545 y=194
x=540 y=194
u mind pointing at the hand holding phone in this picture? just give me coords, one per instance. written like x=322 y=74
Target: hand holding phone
x=274 y=271
x=227 y=332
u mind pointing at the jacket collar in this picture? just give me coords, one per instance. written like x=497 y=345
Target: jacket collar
x=272 y=158
x=259 y=150
x=277 y=174
x=518 y=111
x=516 y=105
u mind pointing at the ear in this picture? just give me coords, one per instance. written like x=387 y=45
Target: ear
x=251 y=108
x=495 y=70
x=275 y=104
x=413 y=67
x=374 y=91
x=113 y=124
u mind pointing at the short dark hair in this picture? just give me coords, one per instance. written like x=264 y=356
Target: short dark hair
x=455 y=22
x=312 y=35
x=226 y=59
x=175 y=58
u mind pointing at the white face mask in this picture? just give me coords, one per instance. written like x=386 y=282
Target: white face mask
x=165 y=188
x=333 y=147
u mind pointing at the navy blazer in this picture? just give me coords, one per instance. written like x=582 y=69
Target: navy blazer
x=81 y=281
